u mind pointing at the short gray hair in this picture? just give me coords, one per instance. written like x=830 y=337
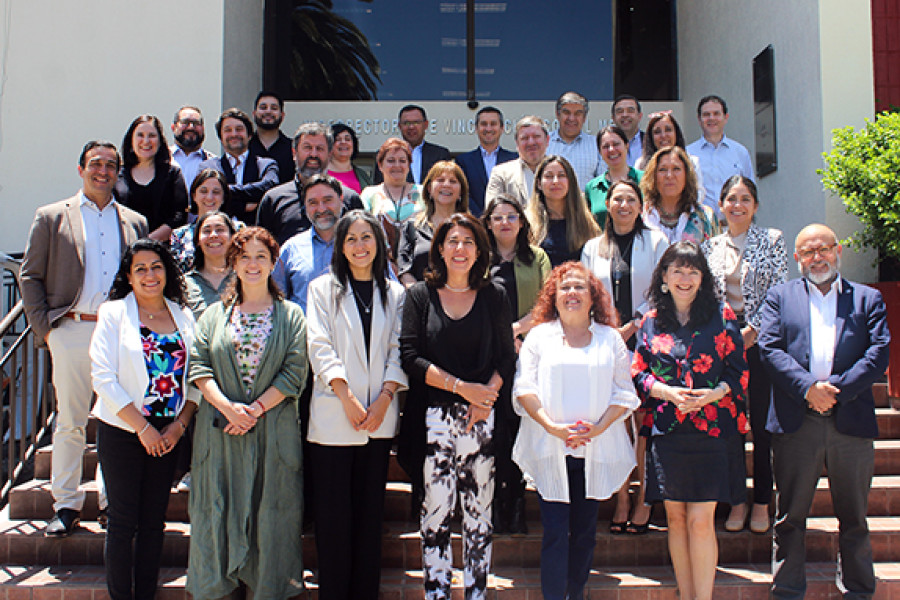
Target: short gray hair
x=572 y=98
x=314 y=128
x=530 y=121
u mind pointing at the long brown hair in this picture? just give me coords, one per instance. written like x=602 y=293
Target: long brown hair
x=580 y=225
x=438 y=169
x=688 y=201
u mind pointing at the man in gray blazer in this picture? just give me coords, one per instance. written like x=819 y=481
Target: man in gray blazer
x=71 y=258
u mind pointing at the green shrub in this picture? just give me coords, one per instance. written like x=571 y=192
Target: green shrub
x=863 y=168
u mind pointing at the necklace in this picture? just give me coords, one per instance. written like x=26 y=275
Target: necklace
x=618 y=265
x=152 y=315
x=457 y=290
x=366 y=307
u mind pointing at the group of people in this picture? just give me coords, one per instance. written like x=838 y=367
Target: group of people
x=562 y=316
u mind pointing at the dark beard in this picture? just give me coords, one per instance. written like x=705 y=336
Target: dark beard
x=268 y=126
x=187 y=146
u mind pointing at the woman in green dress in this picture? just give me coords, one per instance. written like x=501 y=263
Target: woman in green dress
x=249 y=361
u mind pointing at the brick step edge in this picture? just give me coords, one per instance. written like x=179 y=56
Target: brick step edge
x=24 y=543
x=33 y=500
x=736 y=581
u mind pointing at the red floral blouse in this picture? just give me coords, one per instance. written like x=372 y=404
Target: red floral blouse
x=695 y=358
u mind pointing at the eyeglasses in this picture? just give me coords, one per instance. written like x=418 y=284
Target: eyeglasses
x=824 y=251
x=511 y=219
x=190 y=122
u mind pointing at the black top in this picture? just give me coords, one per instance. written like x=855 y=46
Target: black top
x=556 y=244
x=620 y=274
x=504 y=274
x=362 y=293
x=163 y=201
x=282 y=214
x=414 y=246
x=470 y=348
x=280 y=151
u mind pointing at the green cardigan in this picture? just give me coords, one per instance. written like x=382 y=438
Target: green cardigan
x=247 y=490
x=530 y=279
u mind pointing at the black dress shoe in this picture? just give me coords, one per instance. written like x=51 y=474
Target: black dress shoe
x=517 y=525
x=63 y=523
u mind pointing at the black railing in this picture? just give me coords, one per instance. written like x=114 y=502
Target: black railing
x=27 y=394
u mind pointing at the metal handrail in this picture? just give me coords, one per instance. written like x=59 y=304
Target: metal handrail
x=27 y=393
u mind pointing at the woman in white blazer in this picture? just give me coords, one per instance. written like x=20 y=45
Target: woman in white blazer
x=139 y=356
x=353 y=329
x=623 y=259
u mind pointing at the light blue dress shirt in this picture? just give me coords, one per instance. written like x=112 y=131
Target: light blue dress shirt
x=303 y=258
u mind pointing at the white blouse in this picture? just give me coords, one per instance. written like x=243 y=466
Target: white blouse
x=603 y=380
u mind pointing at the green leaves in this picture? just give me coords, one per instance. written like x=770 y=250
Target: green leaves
x=863 y=168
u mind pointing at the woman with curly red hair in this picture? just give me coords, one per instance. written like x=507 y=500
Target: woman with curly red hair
x=573 y=392
x=690 y=372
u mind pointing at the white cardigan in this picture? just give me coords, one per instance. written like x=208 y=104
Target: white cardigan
x=609 y=457
x=648 y=247
x=118 y=368
x=336 y=341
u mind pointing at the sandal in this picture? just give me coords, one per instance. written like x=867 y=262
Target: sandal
x=636 y=528
x=618 y=527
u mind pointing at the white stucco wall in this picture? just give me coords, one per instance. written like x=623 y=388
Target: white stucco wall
x=76 y=71
x=823 y=80
x=243 y=55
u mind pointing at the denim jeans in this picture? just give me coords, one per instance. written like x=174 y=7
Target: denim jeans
x=570 y=534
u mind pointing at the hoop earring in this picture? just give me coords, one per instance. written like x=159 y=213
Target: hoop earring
x=664 y=288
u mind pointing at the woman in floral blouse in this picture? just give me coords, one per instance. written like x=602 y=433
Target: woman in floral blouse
x=690 y=372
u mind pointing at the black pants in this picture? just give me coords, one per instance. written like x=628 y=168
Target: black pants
x=760 y=390
x=348 y=496
x=137 y=486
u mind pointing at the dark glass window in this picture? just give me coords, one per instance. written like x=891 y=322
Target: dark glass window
x=523 y=49
x=646 y=49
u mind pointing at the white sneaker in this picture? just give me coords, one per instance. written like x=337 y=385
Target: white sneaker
x=185 y=484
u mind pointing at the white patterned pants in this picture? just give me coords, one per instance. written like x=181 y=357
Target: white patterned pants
x=457 y=460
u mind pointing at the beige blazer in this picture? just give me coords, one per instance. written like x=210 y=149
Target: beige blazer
x=52 y=272
x=337 y=351
x=513 y=178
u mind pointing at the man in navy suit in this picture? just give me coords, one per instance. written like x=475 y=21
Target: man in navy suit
x=824 y=341
x=413 y=124
x=478 y=163
x=248 y=176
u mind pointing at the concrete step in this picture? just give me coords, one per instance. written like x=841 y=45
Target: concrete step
x=43 y=460
x=744 y=581
x=23 y=542
x=880 y=393
x=34 y=500
x=888 y=420
x=887 y=457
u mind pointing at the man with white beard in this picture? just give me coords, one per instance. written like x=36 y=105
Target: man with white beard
x=824 y=341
